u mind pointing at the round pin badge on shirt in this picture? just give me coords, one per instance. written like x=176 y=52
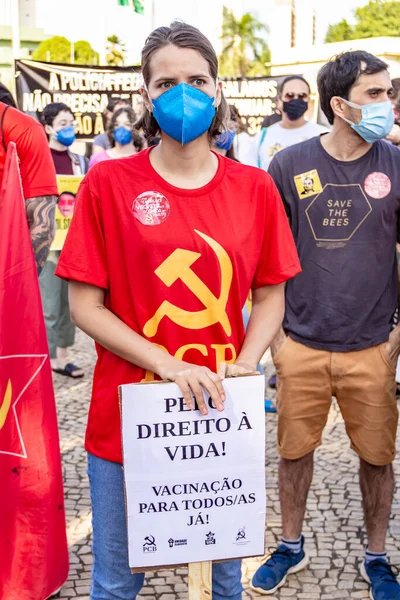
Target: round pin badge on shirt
x=151 y=208
x=377 y=185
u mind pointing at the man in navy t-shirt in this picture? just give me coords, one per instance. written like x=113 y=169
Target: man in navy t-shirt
x=342 y=196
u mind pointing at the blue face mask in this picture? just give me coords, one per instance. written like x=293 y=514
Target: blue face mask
x=225 y=140
x=376 y=122
x=122 y=135
x=184 y=112
x=66 y=136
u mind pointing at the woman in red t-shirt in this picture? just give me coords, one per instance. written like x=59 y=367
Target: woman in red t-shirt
x=161 y=254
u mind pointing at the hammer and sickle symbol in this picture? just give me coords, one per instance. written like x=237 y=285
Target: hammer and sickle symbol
x=5 y=406
x=178 y=266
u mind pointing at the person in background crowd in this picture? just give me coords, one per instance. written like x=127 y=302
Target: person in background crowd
x=242 y=141
x=59 y=125
x=6 y=96
x=394 y=135
x=269 y=120
x=138 y=107
x=102 y=142
x=37 y=173
x=342 y=196
x=292 y=128
x=225 y=144
x=124 y=139
x=286 y=128
x=132 y=217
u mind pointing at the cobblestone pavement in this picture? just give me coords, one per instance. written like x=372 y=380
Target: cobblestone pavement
x=334 y=522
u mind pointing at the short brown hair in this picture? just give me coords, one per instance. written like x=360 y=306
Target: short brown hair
x=181 y=35
x=341 y=72
x=136 y=137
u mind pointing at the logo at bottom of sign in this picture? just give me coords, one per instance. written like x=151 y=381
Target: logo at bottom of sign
x=241 y=538
x=149 y=544
x=172 y=542
x=210 y=539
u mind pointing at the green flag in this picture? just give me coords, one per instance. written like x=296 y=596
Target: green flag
x=138 y=7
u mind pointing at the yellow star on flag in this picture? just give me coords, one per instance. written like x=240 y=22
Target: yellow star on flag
x=17 y=396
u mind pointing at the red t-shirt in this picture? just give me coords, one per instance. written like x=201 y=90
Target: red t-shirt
x=177 y=265
x=35 y=162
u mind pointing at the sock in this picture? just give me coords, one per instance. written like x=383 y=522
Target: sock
x=293 y=545
x=370 y=556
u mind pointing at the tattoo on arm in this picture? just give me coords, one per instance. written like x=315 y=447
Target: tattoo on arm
x=40 y=214
x=101 y=307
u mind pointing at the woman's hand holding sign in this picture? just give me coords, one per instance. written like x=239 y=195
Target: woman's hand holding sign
x=192 y=379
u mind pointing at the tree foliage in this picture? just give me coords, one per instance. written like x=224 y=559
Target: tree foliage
x=84 y=54
x=377 y=18
x=58 y=49
x=339 y=32
x=116 y=52
x=55 y=49
x=244 y=48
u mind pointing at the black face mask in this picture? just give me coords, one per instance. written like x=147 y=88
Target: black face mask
x=295 y=108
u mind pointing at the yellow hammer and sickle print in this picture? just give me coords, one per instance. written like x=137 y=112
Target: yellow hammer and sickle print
x=5 y=406
x=178 y=266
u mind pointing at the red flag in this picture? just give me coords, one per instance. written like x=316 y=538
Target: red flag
x=33 y=545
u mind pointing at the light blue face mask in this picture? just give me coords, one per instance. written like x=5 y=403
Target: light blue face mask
x=66 y=136
x=225 y=140
x=184 y=112
x=122 y=135
x=376 y=122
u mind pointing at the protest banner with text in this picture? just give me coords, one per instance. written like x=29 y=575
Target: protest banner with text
x=195 y=484
x=255 y=98
x=86 y=90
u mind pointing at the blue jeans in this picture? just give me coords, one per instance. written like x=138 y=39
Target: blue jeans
x=111 y=576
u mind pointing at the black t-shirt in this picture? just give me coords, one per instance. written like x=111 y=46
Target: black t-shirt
x=343 y=217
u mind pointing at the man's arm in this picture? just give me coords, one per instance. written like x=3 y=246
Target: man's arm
x=40 y=213
x=393 y=345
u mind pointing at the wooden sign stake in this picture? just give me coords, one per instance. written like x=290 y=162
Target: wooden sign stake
x=200 y=579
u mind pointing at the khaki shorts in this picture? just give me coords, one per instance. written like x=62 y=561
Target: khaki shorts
x=363 y=382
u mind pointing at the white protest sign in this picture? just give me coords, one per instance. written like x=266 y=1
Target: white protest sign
x=195 y=485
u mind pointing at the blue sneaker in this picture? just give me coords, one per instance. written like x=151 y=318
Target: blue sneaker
x=382 y=579
x=270 y=406
x=272 y=574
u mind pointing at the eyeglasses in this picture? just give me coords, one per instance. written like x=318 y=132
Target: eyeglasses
x=74 y=124
x=291 y=95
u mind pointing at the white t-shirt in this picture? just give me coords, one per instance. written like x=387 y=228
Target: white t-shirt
x=243 y=147
x=277 y=138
